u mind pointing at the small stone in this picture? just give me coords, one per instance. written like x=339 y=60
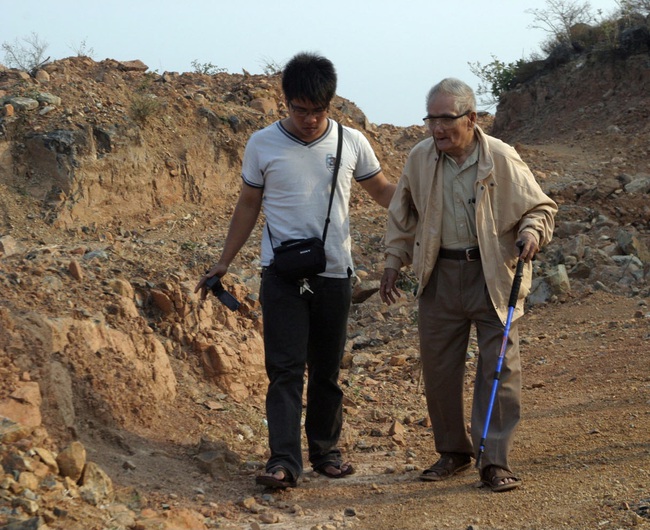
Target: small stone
x=248 y=502
x=396 y=429
x=75 y=270
x=8 y=245
x=96 y=486
x=72 y=460
x=8 y=110
x=270 y=518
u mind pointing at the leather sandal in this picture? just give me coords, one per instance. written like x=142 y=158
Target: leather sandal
x=267 y=479
x=493 y=476
x=344 y=469
x=447 y=466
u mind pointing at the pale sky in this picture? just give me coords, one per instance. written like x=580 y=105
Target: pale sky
x=387 y=53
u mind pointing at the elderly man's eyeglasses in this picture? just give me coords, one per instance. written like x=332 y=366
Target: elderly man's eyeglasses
x=445 y=121
x=302 y=112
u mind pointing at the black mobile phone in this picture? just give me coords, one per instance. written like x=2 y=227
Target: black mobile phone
x=214 y=284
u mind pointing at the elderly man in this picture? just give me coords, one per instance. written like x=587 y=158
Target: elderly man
x=465 y=210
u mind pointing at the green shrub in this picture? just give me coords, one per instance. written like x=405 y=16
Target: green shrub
x=143 y=107
x=271 y=67
x=496 y=77
x=206 y=68
x=629 y=7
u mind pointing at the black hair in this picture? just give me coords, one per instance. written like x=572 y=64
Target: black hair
x=310 y=77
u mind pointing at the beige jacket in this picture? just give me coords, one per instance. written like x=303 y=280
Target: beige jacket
x=508 y=201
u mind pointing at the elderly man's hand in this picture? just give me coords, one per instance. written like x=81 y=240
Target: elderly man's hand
x=529 y=246
x=387 y=289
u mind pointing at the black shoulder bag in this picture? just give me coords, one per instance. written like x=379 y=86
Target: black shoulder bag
x=301 y=258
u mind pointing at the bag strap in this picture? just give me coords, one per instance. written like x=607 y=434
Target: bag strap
x=337 y=163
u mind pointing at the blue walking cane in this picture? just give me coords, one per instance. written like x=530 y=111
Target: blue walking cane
x=512 y=302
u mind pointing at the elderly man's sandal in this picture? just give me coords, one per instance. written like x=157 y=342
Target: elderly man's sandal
x=492 y=477
x=447 y=466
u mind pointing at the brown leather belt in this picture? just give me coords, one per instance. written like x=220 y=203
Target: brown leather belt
x=464 y=254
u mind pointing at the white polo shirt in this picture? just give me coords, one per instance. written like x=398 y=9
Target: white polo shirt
x=297 y=178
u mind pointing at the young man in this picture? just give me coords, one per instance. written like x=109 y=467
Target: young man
x=463 y=203
x=287 y=170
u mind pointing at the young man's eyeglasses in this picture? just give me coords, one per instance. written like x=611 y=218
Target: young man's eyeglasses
x=302 y=112
x=445 y=121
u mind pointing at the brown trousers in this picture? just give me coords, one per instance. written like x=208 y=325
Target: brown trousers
x=455 y=297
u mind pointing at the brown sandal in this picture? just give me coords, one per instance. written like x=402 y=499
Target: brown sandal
x=493 y=476
x=447 y=466
x=344 y=469
x=270 y=481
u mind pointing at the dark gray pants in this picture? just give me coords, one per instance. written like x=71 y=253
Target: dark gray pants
x=456 y=296
x=304 y=330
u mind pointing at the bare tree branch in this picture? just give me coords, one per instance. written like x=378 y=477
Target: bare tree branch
x=560 y=16
x=27 y=54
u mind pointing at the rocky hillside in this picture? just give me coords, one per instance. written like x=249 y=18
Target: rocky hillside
x=106 y=142
x=127 y=402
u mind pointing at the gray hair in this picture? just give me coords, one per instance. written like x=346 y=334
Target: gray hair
x=464 y=98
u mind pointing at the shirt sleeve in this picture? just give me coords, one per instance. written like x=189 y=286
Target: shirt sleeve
x=367 y=165
x=252 y=173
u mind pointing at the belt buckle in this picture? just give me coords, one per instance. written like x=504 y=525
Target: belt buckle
x=468 y=251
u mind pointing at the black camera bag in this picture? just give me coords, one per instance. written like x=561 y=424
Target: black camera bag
x=300 y=258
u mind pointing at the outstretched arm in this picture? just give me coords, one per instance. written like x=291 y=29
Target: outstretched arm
x=379 y=188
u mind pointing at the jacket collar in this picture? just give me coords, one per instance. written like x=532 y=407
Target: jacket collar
x=485 y=162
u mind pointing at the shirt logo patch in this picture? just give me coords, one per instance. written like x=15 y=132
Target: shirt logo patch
x=329 y=162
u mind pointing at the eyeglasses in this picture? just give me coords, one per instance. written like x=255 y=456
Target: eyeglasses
x=302 y=112
x=445 y=121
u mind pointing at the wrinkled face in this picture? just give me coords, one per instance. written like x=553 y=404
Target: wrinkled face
x=452 y=131
x=306 y=120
